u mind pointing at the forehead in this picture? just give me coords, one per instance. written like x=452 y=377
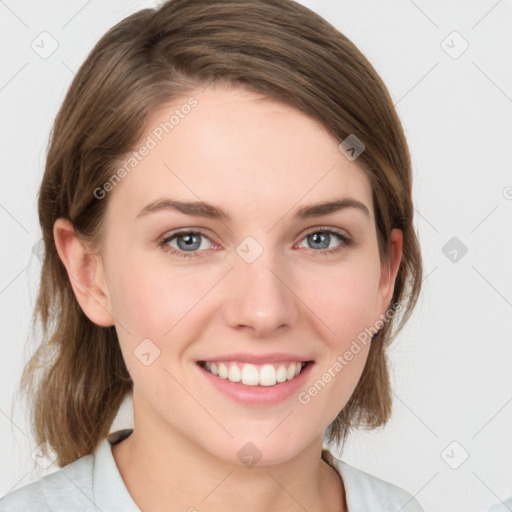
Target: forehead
x=239 y=149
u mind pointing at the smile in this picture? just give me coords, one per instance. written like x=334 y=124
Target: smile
x=254 y=374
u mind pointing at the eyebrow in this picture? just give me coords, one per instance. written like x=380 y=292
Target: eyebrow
x=202 y=209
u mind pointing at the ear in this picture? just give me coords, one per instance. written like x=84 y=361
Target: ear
x=85 y=272
x=389 y=271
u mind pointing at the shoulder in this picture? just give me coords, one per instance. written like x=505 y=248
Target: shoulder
x=367 y=492
x=89 y=484
x=68 y=488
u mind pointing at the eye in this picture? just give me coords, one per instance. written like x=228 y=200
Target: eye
x=324 y=240
x=192 y=243
x=186 y=243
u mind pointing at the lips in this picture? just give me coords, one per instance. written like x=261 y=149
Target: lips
x=250 y=374
x=256 y=380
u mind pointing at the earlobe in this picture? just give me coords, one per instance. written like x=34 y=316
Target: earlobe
x=389 y=270
x=85 y=272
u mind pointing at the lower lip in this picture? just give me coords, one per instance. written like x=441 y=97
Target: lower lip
x=258 y=395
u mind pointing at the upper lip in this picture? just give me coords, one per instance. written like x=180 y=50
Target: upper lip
x=258 y=358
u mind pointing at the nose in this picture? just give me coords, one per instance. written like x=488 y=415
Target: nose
x=260 y=298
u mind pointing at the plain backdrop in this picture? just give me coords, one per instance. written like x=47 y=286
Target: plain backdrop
x=448 y=68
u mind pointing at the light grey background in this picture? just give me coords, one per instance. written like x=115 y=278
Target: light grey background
x=451 y=366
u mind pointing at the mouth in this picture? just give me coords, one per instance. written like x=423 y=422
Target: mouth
x=249 y=374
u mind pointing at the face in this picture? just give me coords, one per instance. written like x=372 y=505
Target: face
x=248 y=288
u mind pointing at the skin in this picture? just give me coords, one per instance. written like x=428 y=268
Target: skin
x=260 y=161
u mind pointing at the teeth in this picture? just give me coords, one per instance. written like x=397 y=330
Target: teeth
x=250 y=375
x=234 y=375
x=268 y=375
x=223 y=371
x=281 y=373
x=253 y=375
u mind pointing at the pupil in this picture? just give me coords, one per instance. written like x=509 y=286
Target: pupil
x=317 y=239
x=189 y=241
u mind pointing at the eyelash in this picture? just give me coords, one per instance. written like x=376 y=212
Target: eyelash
x=346 y=241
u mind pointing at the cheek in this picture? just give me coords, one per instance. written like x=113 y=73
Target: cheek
x=147 y=303
x=136 y=301
x=149 y=299
x=346 y=306
x=345 y=300
x=160 y=304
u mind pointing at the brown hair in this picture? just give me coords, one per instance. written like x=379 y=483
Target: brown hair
x=274 y=47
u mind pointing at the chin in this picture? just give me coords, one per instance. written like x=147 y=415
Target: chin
x=259 y=448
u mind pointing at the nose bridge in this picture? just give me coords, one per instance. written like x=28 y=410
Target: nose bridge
x=261 y=299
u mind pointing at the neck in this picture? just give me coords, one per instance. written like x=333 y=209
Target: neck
x=164 y=471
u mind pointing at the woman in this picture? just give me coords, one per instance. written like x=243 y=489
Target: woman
x=227 y=219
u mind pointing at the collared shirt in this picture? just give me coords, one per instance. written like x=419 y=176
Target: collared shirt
x=93 y=484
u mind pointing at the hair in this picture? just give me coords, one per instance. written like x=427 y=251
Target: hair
x=76 y=378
